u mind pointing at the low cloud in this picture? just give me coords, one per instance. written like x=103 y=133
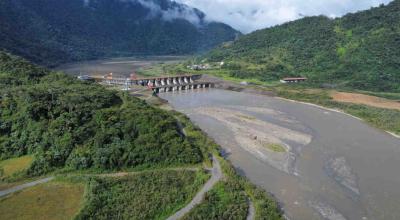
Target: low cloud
x=182 y=12
x=250 y=15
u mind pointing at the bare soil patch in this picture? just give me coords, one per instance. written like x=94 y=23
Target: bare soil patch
x=373 y=101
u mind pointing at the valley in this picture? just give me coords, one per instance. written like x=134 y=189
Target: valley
x=312 y=159
x=153 y=109
x=99 y=139
x=308 y=159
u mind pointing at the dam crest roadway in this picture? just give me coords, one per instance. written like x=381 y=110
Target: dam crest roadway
x=160 y=84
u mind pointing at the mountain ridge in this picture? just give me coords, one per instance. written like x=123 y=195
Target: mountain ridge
x=357 y=50
x=50 y=32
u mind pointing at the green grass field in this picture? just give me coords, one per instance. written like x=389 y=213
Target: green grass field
x=15 y=165
x=54 y=200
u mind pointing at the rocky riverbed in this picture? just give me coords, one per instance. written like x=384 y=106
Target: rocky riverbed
x=250 y=133
x=318 y=163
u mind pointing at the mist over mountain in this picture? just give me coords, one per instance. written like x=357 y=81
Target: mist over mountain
x=251 y=15
x=53 y=31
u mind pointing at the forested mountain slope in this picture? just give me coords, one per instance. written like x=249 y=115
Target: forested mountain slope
x=53 y=31
x=70 y=124
x=78 y=130
x=360 y=50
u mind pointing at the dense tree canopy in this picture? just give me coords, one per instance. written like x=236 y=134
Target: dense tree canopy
x=67 y=123
x=359 y=50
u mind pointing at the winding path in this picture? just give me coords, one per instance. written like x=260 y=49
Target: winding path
x=122 y=174
x=48 y=179
x=216 y=175
x=24 y=186
x=251 y=215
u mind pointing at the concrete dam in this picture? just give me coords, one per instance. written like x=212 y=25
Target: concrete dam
x=161 y=84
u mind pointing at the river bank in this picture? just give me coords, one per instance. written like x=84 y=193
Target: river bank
x=374 y=113
x=335 y=174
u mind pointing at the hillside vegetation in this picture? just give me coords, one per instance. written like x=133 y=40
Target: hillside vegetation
x=359 y=50
x=50 y=32
x=223 y=202
x=69 y=124
x=117 y=146
x=153 y=195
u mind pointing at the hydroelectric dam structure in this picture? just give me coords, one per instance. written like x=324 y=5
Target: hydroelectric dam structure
x=161 y=84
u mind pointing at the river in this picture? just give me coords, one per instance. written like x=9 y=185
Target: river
x=319 y=164
x=123 y=66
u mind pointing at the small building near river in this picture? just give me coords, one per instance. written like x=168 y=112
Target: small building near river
x=293 y=80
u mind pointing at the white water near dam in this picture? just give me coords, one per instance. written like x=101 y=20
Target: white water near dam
x=331 y=165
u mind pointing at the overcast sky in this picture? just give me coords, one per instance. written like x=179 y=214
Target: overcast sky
x=250 y=15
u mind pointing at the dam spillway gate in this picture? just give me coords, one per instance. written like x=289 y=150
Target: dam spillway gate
x=161 y=84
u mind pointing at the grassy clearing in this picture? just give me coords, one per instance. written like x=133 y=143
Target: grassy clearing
x=224 y=201
x=13 y=166
x=225 y=75
x=54 y=200
x=276 y=148
x=150 y=195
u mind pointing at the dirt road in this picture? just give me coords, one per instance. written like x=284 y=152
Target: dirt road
x=216 y=176
x=24 y=186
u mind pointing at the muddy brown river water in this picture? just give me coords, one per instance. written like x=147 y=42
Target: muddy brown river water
x=330 y=165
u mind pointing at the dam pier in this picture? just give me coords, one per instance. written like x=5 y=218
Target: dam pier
x=160 y=84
